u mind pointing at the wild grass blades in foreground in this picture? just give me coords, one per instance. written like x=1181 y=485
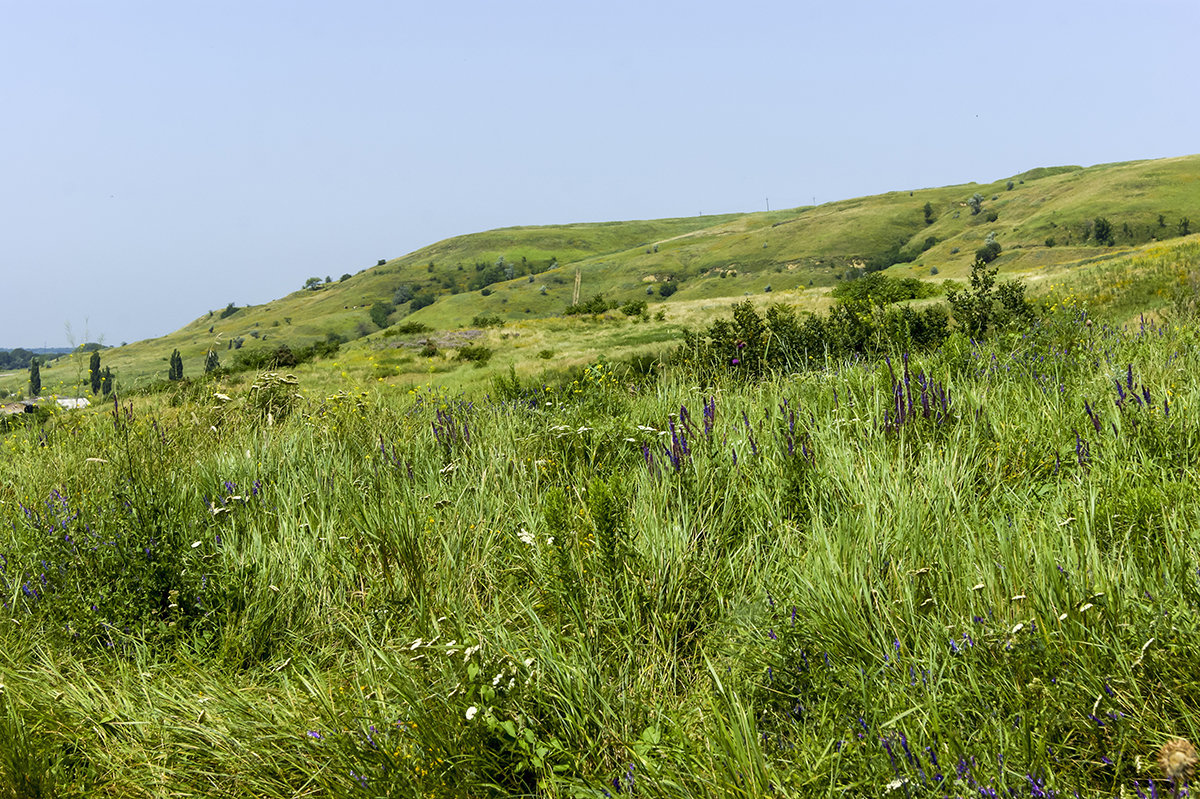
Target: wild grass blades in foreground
x=967 y=572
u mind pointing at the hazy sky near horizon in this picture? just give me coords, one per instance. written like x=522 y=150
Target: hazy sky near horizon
x=160 y=159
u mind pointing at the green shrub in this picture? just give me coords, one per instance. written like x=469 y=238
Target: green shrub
x=990 y=251
x=986 y=304
x=877 y=289
x=475 y=353
x=422 y=300
x=407 y=329
x=380 y=312
x=597 y=304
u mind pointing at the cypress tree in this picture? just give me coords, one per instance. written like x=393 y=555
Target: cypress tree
x=106 y=383
x=175 y=371
x=211 y=362
x=35 y=378
x=94 y=372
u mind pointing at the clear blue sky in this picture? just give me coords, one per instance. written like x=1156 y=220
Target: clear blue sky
x=160 y=159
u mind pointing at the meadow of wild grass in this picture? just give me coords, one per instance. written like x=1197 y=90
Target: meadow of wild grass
x=972 y=571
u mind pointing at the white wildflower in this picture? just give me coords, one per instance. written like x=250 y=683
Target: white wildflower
x=525 y=536
x=471 y=712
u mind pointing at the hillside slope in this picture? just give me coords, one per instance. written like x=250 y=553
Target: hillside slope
x=1043 y=219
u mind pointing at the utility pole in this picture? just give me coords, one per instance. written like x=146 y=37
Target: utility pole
x=578 y=278
x=768 y=205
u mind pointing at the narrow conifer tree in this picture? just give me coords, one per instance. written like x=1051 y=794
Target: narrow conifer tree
x=35 y=378
x=94 y=372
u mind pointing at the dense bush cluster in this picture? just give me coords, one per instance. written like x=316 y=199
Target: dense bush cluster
x=283 y=356
x=865 y=320
x=595 y=304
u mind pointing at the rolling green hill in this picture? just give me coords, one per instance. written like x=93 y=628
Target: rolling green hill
x=1044 y=220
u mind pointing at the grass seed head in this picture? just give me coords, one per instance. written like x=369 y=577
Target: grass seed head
x=1177 y=759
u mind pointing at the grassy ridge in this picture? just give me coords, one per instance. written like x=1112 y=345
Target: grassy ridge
x=798 y=253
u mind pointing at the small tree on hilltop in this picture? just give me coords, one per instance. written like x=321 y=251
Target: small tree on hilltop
x=976 y=203
x=94 y=372
x=928 y=209
x=1102 y=231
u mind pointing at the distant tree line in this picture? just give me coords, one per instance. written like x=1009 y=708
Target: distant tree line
x=18 y=358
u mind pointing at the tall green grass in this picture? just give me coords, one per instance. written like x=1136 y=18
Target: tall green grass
x=802 y=586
